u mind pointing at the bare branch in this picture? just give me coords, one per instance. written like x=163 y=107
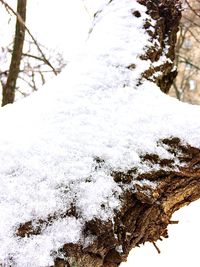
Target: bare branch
x=191 y=8
x=9 y=88
x=21 y=21
x=187 y=61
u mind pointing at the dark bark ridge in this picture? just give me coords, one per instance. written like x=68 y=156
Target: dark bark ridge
x=167 y=15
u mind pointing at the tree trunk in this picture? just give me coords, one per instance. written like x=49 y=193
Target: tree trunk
x=145 y=215
x=10 y=86
x=145 y=211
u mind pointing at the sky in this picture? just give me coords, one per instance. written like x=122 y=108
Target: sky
x=64 y=27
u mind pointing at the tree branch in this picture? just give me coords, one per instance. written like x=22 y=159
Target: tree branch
x=191 y=8
x=22 y=22
x=9 y=88
x=146 y=190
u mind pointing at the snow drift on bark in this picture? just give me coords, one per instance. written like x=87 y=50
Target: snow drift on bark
x=94 y=114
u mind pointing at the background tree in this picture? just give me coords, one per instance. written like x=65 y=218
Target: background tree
x=29 y=67
x=9 y=88
x=186 y=85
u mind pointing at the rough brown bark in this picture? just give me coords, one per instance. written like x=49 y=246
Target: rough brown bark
x=146 y=211
x=145 y=214
x=9 y=88
x=167 y=15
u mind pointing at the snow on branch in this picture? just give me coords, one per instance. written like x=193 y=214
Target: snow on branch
x=96 y=162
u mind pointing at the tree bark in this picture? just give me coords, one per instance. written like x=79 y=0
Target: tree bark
x=144 y=215
x=10 y=86
x=165 y=32
x=145 y=212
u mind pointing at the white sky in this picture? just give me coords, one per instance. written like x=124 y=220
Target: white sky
x=64 y=26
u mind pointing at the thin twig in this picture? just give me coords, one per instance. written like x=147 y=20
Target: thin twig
x=156 y=247
x=187 y=61
x=190 y=20
x=191 y=8
x=173 y=222
x=194 y=36
x=7 y=6
x=33 y=56
x=86 y=9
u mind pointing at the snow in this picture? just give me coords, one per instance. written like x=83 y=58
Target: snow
x=53 y=237
x=93 y=110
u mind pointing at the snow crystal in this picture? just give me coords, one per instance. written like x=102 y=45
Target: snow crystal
x=60 y=145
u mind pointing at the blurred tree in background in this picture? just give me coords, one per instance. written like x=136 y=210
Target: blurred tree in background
x=25 y=63
x=186 y=87
x=38 y=64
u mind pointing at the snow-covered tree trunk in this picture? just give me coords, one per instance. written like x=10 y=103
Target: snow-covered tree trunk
x=104 y=157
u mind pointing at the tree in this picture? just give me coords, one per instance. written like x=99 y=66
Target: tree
x=107 y=161
x=30 y=55
x=185 y=85
x=9 y=88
